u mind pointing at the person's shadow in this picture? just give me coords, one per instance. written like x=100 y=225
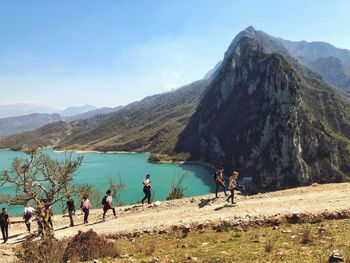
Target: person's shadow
x=205 y=202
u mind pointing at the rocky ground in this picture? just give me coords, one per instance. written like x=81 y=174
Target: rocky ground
x=202 y=210
x=305 y=203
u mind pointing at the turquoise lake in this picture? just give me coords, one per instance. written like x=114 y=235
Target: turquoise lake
x=130 y=167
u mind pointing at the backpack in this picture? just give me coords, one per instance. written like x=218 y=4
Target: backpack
x=104 y=200
x=215 y=175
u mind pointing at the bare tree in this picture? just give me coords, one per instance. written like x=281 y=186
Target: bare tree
x=116 y=186
x=42 y=181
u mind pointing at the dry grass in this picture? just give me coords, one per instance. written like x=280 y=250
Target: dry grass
x=260 y=244
x=306 y=236
x=292 y=243
x=268 y=246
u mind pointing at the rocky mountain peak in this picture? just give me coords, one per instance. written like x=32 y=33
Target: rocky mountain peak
x=260 y=116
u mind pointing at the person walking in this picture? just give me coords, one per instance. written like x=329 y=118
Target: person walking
x=232 y=186
x=49 y=214
x=28 y=216
x=70 y=206
x=107 y=204
x=219 y=181
x=86 y=206
x=147 y=189
x=4 y=224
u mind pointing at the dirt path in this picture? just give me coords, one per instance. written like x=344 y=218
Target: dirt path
x=311 y=199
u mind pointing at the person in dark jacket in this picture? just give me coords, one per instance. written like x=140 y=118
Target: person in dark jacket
x=219 y=181
x=70 y=206
x=147 y=189
x=4 y=224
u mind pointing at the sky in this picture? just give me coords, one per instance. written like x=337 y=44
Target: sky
x=113 y=52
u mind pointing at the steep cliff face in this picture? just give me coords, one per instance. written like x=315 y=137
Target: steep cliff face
x=273 y=123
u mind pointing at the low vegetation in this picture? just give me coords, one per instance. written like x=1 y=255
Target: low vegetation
x=177 y=187
x=285 y=243
x=82 y=247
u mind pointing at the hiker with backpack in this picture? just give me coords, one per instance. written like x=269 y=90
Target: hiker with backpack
x=107 y=204
x=70 y=206
x=232 y=186
x=219 y=181
x=28 y=216
x=85 y=207
x=4 y=224
x=147 y=189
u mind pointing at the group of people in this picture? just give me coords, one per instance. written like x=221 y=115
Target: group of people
x=220 y=183
x=107 y=202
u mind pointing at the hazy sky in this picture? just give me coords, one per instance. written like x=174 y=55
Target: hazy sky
x=110 y=53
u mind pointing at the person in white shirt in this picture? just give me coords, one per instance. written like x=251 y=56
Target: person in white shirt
x=107 y=204
x=147 y=189
x=86 y=206
x=28 y=216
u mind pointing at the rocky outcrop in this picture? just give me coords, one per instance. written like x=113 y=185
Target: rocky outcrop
x=278 y=124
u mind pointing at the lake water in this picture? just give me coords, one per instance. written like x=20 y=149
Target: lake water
x=130 y=167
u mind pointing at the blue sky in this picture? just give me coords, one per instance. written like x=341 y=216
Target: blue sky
x=110 y=53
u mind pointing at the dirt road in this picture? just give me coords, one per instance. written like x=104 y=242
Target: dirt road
x=311 y=199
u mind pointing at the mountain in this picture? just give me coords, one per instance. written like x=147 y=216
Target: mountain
x=76 y=110
x=29 y=122
x=152 y=124
x=261 y=110
x=92 y=113
x=20 y=109
x=333 y=70
x=330 y=62
x=272 y=119
x=47 y=135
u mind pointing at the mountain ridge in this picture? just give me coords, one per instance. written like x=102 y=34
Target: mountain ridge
x=294 y=125
x=263 y=94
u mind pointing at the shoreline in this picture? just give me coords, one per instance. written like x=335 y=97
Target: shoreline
x=77 y=151
x=99 y=152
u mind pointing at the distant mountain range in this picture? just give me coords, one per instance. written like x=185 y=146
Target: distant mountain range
x=71 y=111
x=20 y=109
x=23 y=123
x=18 y=124
x=23 y=108
x=275 y=110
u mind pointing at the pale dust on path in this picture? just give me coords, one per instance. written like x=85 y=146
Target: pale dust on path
x=310 y=199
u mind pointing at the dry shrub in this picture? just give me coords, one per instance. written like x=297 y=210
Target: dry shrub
x=306 y=237
x=268 y=246
x=45 y=250
x=84 y=246
x=89 y=245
